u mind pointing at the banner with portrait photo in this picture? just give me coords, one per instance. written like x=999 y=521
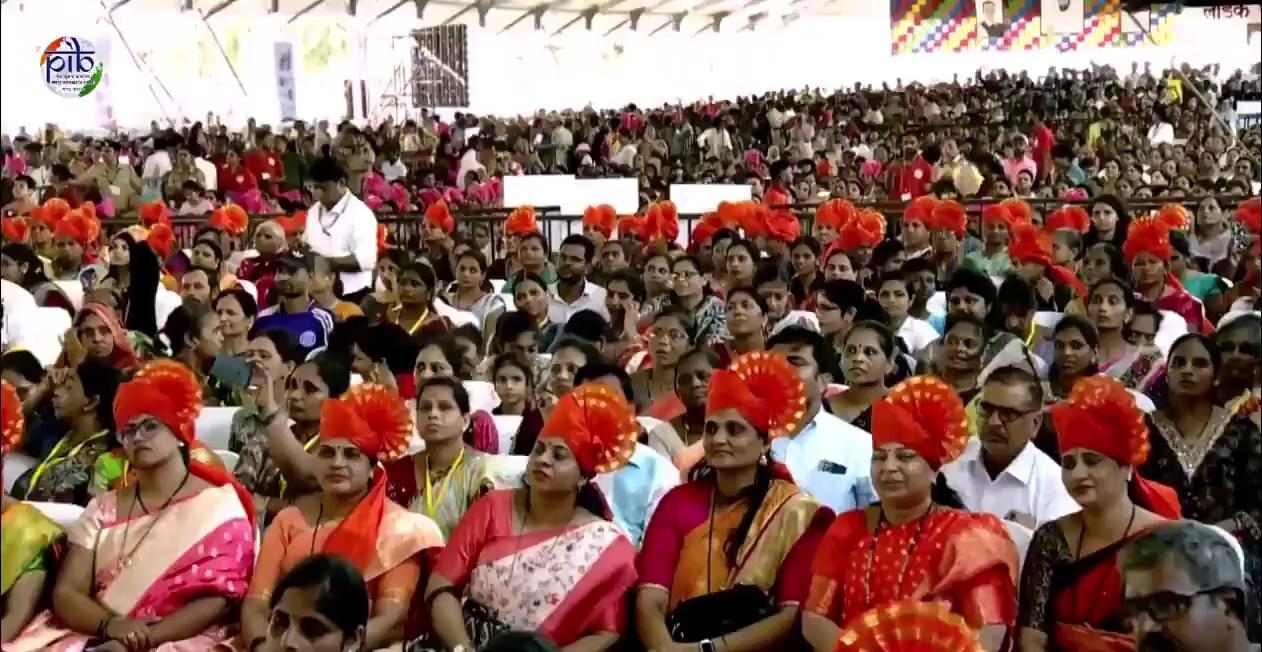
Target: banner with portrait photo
x=1062 y=16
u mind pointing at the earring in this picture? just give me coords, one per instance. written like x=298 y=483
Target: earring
x=763 y=459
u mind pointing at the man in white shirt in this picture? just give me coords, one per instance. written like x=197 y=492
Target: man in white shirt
x=392 y=169
x=208 y=170
x=342 y=229
x=827 y=457
x=573 y=292
x=1002 y=472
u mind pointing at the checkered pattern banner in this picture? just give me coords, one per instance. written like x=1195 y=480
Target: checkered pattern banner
x=922 y=26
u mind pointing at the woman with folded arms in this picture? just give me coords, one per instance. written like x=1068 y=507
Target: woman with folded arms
x=1071 y=584
x=350 y=516
x=546 y=557
x=157 y=565
x=917 y=542
x=725 y=561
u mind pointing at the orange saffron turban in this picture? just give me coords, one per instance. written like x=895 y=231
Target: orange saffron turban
x=909 y=626
x=1249 y=214
x=293 y=223
x=783 y=226
x=373 y=418
x=704 y=230
x=77 y=226
x=834 y=213
x=597 y=424
x=924 y=414
x=15 y=229
x=631 y=225
x=949 y=216
x=231 y=219
x=169 y=392
x=521 y=221
x=1175 y=217
x=154 y=212
x=1072 y=218
x=998 y=213
x=1032 y=245
x=1147 y=235
x=55 y=210
x=764 y=388
x=661 y=222
x=12 y=422
x=161 y=240
x=867 y=229
x=754 y=220
x=379 y=424
x=1100 y=415
x=733 y=214
x=1019 y=210
x=439 y=215
x=920 y=209
x=601 y=218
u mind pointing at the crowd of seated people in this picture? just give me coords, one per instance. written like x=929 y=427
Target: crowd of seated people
x=1035 y=425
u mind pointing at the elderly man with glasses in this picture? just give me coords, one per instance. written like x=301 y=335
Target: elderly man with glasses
x=1185 y=590
x=1002 y=472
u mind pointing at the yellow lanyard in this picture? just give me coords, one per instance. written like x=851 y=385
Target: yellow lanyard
x=398 y=312
x=306 y=448
x=432 y=505
x=54 y=458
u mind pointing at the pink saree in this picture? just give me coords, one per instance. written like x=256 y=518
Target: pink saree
x=565 y=583
x=199 y=546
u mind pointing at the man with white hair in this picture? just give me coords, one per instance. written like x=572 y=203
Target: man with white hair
x=1186 y=590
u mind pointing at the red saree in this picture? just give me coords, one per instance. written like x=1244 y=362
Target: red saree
x=1086 y=597
x=966 y=560
x=565 y=583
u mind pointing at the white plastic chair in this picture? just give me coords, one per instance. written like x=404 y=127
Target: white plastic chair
x=507 y=425
x=228 y=458
x=481 y=395
x=1020 y=536
x=63 y=514
x=1173 y=326
x=15 y=464
x=214 y=427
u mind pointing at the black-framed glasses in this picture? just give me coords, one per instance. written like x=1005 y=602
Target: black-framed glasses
x=1164 y=606
x=144 y=428
x=1006 y=415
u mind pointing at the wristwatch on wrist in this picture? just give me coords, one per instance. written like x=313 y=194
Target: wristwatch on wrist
x=706 y=645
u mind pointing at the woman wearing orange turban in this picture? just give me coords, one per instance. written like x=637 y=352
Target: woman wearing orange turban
x=1031 y=252
x=830 y=217
x=1071 y=587
x=860 y=235
x=917 y=543
x=727 y=555
x=948 y=229
x=598 y=223
x=998 y=222
x=1148 y=251
x=917 y=218
x=350 y=516
x=172 y=551
x=29 y=538
x=545 y=557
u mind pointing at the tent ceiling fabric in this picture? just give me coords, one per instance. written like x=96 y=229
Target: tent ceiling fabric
x=605 y=16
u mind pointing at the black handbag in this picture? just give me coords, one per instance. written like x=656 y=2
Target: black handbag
x=716 y=614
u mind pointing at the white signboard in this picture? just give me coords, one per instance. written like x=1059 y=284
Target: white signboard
x=699 y=198
x=1062 y=16
x=622 y=194
x=286 y=91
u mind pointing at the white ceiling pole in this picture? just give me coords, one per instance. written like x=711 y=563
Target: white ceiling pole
x=140 y=65
x=214 y=36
